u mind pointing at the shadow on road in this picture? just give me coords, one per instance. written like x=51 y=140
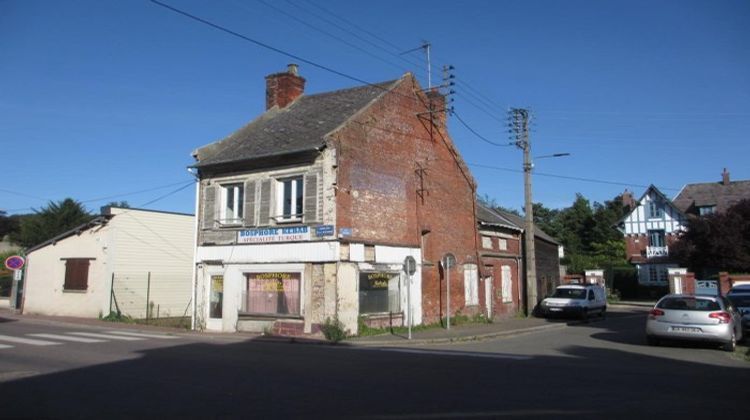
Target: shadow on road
x=257 y=379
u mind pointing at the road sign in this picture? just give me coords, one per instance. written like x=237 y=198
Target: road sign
x=449 y=260
x=410 y=265
x=14 y=262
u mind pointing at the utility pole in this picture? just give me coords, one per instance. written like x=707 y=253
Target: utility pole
x=519 y=124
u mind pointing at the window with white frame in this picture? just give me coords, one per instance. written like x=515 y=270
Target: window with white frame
x=503 y=244
x=486 y=242
x=232 y=204
x=471 y=284
x=654 y=210
x=289 y=199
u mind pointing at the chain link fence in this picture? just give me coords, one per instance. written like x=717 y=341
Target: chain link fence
x=153 y=297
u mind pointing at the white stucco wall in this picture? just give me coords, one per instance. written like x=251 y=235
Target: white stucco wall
x=45 y=276
x=133 y=243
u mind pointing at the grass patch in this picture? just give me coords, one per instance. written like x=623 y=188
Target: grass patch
x=742 y=352
x=173 y=322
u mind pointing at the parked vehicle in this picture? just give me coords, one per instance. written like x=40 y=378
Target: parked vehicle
x=698 y=318
x=740 y=298
x=577 y=300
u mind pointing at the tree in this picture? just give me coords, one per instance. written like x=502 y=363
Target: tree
x=716 y=242
x=50 y=221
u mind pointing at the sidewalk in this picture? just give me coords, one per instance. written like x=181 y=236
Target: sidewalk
x=460 y=333
x=477 y=332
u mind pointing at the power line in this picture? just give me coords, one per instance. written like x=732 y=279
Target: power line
x=481 y=137
x=573 y=178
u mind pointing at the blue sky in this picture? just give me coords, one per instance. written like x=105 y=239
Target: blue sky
x=103 y=100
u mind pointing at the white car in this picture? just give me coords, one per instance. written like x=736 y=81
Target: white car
x=577 y=300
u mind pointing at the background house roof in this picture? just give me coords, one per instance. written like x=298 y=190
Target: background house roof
x=712 y=194
x=301 y=126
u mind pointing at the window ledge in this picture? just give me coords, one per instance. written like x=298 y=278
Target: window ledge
x=79 y=291
x=252 y=315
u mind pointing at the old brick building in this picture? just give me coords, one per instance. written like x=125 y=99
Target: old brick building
x=307 y=212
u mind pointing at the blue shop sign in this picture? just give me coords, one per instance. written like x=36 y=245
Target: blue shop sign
x=324 y=230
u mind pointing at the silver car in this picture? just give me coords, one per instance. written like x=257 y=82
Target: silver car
x=693 y=317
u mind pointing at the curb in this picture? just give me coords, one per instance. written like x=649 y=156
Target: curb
x=457 y=339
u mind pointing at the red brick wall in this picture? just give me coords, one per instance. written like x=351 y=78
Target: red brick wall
x=378 y=155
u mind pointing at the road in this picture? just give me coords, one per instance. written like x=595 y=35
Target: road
x=597 y=370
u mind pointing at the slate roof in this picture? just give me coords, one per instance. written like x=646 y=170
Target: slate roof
x=520 y=222
x=491 y=217
x=509 y=220
x=302 y=126
x=711 y=194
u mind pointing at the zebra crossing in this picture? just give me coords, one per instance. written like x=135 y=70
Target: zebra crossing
x=83 y=337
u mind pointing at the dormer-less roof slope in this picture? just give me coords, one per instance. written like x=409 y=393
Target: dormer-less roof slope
x=490 y=217
x=299 y=127
x=520 y=222
x=712 y=194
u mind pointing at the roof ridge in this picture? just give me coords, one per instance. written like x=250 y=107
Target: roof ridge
x=378 y=85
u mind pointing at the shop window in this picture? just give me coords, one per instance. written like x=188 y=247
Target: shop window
x=76 y=273
x=217 y=297
x=471 y=284
x=290 y=199
x=379 y=292
x=232 y=204
x=272 y=294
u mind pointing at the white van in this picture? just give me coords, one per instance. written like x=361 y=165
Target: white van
x=581 y=300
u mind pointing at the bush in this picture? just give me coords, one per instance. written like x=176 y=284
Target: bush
x=333 y=330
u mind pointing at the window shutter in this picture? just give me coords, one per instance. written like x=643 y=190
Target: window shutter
x=76 y=274
x=311 y=198
x=249 y=210
x=209 y=205
x=265 y=203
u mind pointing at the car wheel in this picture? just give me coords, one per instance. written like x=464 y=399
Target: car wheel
x=652 y=341
x=585 y=314
x=603 y=313
x=731 y=344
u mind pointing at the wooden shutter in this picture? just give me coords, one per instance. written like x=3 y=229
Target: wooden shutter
x=249 y=210
x=76 y=274
x=209 y=205
x=311 y=198
x=264 y=219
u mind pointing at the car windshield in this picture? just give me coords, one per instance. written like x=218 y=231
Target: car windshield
x=740 y=300
x=689 y=304
x=570 y=293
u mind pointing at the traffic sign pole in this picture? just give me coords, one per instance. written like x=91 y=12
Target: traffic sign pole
x=410 y=267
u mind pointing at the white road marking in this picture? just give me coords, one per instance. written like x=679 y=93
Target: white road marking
x=68 y=338
x=453 y=353
x=30 y=341
x=107 y=336
x=144 y=335
x=3 y=346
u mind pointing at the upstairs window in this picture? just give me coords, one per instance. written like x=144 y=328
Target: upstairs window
x=654 y=210
x=232 y=204
x=706 y=210
x=486 y=242
x=656 y=238
x=290 y=199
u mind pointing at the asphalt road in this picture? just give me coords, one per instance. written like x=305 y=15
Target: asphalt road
x=599 y=370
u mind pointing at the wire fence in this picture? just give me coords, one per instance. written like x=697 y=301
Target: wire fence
x=151 y=296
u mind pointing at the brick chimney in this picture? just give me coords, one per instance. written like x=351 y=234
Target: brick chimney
x=627 y=199
x=283 y=88
x=725 y=177
x=437 y=101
